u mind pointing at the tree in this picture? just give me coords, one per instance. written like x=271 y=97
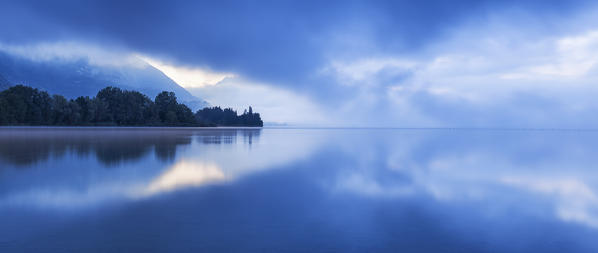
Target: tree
x=216 y=116
x=86 y=110
x=185 y=115
x=167 y=106
x=60 y=110
x=22 y=105
x=3 y=111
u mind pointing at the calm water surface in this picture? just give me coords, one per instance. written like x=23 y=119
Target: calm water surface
x=297 y=190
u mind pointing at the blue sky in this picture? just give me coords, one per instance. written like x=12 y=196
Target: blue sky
x=428 y=63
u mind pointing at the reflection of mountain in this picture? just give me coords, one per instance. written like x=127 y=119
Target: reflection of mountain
x=80 y=78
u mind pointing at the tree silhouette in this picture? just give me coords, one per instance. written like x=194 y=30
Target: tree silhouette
x=22 y=105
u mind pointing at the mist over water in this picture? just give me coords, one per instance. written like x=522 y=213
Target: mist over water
x=297 y=190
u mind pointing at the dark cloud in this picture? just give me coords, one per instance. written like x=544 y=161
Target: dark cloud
x=281 y=42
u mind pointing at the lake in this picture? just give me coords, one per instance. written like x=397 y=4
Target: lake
x=298 y=190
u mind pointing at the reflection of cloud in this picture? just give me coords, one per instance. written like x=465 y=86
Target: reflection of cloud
x=478 y=178
x=181 y=175
x=65 y=198
x=205 y=163
x=575 y=201
x=79 y=180
x=359 y=184
x=492 y=170
x=185 y=174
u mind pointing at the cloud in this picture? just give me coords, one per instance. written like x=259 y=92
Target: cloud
x=275 y=105
x=571 y=57
x=73 y=51
x=188 y=77
x=504 y=79
x=381 y=63
x=278 y=42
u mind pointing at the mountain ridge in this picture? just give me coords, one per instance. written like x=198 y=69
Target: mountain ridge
x=74 y=78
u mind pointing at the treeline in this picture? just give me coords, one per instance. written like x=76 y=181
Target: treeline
x=22 y=105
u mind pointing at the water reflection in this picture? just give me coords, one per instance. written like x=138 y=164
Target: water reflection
x=23 y=148
x=64 y=166
x=574 y=200
x=380 y=190
x=524 y=170
x=185 y=174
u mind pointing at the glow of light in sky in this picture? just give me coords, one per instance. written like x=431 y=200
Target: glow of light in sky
x=187 y=77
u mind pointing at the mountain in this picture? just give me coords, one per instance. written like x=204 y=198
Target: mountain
x=4 y=83
x=73 y=78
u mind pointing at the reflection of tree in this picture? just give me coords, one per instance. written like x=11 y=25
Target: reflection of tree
x=24 y=147
x=166 y=151
x=227 y=136
x=249 y=134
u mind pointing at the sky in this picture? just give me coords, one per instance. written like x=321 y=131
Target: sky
x=427 y=63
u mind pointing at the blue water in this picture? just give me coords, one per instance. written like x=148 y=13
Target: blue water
x=298 y=190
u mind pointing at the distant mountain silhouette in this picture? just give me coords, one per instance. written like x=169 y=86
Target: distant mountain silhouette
x=80 y=78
